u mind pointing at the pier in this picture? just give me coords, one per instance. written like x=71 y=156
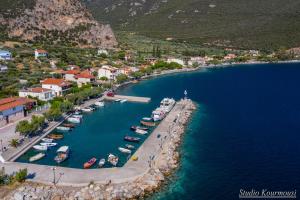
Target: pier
x=129 y=98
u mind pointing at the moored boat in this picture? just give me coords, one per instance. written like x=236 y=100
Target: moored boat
x=147 y=118
x=99 y=103
x=132 y=139
x=40 y=147
x=55 y=136
x=101 y=162
x=87 y=109
x=167 y=104
x=158 y=114
x=141 y=132
x=62 y=128
x=89 y=163
x=118 y=100
x=123 y=100
x=133 y=128
x=62 y=154
x=148 y=123
x=112 y=159
x=77 y=116
x=74 y=120
x=124 y=150
x=129 y=146
x=69 y=125
x=48 y=144
x=47 y=140
x=36 y=157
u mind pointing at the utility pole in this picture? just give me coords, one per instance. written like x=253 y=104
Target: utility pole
x=54 y=181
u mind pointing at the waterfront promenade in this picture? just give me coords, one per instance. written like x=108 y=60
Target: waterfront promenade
x=147 y=156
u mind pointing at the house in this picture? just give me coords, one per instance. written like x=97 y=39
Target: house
x=14 y=108
x=40 y=53
x=70 y=75
x=42 y=94
x=84 y=77
x=3 y=68
x=73 y=67
x=108 y=72
x=151 y=60
x=58 y=86
x=125 y=70
x=176 y=60
x=102 y=51
x=5 y=55
x=230 y=56
x=196 y=61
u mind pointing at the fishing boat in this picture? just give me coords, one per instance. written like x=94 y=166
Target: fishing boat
x=48 y=144
x=132 y=139
x=47 y=140
x=74 y=120
x=40 y=147
x=87 y=109
x=77 y=116
x=62 y=154
x=62 y=128
x=99 y=103
x=147 y=119
x=55 y=136
x=133 y=128
x=123 y=100
x=112 y=159
x=141 y=132
x=37 y=157
x=124 y=150
x=148 y=123
x=89 y=163
x=69 y=125
x=101 y=162
x=129 y=146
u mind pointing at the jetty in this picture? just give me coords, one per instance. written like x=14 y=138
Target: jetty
x=129 y=98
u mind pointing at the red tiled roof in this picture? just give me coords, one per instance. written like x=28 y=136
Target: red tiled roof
x=55 y=81
x=7 y=100
x=38 y=90
x=85 y=75
x=13 y=102
x=41 y=51
x=74 y=71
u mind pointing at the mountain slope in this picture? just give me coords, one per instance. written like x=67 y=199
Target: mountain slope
x=238 y=23
x=65 y=21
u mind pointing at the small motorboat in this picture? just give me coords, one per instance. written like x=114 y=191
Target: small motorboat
x=78 y=116
x=99 y=104
x=123 y=100
x=101 y=162
x=37 y=157
x=133 y=128
x=48 y=144
x=62 y=154
x=89 y=163
x=147 y=118
x=74 y=120
x=151 y=124
x=77 y=112
x=55 y=136
x=124 y=150
x=118 y=100
x=141 y=132
x=87 y=109
x=132 y=139
x=47 y=140
x=40 y=147
x=62 y=128
x=112 y=159
x=129 y=146
x=69 y=125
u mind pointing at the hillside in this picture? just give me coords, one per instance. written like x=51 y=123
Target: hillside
x=239 y=23
x=53 y=21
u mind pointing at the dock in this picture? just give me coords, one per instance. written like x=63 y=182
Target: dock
x=129 y=98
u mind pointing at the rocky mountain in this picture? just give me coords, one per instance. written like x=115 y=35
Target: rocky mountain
x=58 y=21
x=237 y=23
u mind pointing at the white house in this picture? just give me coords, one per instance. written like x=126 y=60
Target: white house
x=176 y=60
x=102 y=51
x=42 y=94
x=70 y=75
x=197 y=61
x=5 y=55
x=58 y=86
x=84 y=78
x=3 y=68
x=108 y=72
x=40 y=53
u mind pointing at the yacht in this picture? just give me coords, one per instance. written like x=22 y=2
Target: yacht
x=62 y=154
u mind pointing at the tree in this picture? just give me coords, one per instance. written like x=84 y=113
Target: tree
x=24 y=127
x=136 y=75
x=53 y=114
x=21 y=175
x=14 y=143
x=66 y=106
x=121 y=78
x=104 y=78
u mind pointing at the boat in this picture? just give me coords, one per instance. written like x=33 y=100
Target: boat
x=55 y=136
x=101 y=162
x=87 y=109
x=131 y=139
x=141 y=132
x=48 y=144
x=129 y=146
x=47 y=140
x=36 y=157
x=133 y=128
x=62 y=128
x=40 y=147
x=147 y=118
x=74 y=120
x=69 y=125
x=89 y=163
x=123 y=100
x=148 y=123
x=167 y=104
x=99 y=104
x=77 y=116
x=124 y=150
x=112 y=159
x=158 y=114
x=118 y=100
x=62 y=154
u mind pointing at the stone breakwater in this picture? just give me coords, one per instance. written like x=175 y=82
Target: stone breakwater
x=162 y=166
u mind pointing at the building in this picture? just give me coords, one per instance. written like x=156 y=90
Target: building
x=42 y=94
x=102 y=51
x=58 y=86
x=230 y=56
x=70 y=75
x=176 y=60
x=5 y=55
x=3 y=68
x=14 y=108
x=84 y=77
x=197 y=61
x=108 y=71
x=40 y=53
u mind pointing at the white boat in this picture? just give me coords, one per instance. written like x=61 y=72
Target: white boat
x=167 y=104
x=124 y=150
x=141 y=132
x=40 y=147
x=158 y=114
x=63 y=128
x=129 y=146
x=101 y=162
x=99 y=103
x=118 y=100
x=147 y=118
x=123 y=100
x=112 y=159
x=37 y=157
x=87 y=109
x=74 y=120
x=48 y=144
x=47 y=140
x=77 y=112
x=77 y=116
x=62 y=154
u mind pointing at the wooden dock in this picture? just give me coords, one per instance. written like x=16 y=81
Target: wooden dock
x=129 y=98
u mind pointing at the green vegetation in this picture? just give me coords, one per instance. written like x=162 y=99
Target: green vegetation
x=19 y=176
x=14 y=143
x=122 y=78
x=26 y=128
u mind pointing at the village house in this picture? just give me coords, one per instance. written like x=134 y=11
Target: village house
x=84 y=77
x=196 y=61
x=3 y=68
x=230 y=56
x=42 y=94
x=70 y=75
x=151 y=60
x=108 y=71
x=14 y=108
x=5 y=55
x=102 y=51
x=40 y=53
x=175 y=60
x=58 y=86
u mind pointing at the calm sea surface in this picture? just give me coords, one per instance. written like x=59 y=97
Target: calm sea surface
x=245 y=134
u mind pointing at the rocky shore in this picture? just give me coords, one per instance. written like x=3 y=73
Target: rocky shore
x=162 y=166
